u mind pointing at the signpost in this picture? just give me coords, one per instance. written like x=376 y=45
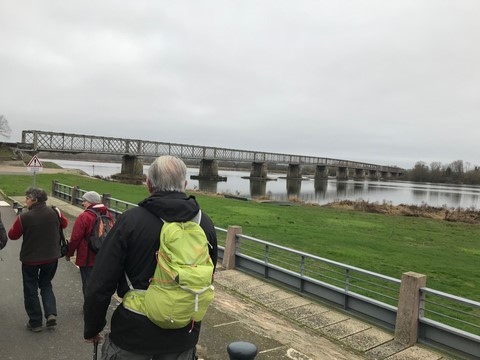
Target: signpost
x=34 y=165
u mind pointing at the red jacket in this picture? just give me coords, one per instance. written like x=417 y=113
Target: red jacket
x=81 y=232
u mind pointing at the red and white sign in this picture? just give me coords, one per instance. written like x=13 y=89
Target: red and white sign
x=34 y=164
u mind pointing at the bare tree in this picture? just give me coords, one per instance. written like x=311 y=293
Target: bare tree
x=5 y=130
x=436 y=171
x=457 y=166
x=420 y=172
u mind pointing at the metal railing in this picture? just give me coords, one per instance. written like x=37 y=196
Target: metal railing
x=450 y=320
x=356 y=290
x=117 y=206
x=446 y=321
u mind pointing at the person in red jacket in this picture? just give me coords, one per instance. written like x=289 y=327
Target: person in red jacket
x=39 y=254
x=81 y=232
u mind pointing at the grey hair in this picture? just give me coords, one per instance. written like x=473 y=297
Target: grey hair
x=36 y=194
x=167 y=173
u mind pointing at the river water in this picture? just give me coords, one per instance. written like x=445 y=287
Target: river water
x=309 y=190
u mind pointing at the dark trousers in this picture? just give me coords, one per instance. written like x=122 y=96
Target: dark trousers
x=39 y=277
x=85 y=272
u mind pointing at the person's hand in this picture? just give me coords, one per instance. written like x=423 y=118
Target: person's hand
x=96 y=339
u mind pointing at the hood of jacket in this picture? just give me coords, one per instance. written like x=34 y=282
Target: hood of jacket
x=100 y=208
x=171 y=206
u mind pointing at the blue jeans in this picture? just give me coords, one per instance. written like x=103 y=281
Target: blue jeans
x=110 y=351
x=39 y=277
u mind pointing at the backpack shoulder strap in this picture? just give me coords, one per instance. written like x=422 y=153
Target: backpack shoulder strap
x=57 y=211
x=198 y=217
x=93 y=211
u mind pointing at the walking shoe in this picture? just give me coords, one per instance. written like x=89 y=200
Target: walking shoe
x=51 y=321
x=33 y=328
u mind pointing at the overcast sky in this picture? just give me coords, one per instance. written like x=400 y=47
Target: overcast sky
x=377 y=81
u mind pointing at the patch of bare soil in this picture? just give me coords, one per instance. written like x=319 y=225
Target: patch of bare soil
x=470 y=216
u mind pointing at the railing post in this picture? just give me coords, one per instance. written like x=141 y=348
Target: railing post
x=75 y=191
x=406 y=324
x=54 y=187
x=228 y=261
x=106 y=199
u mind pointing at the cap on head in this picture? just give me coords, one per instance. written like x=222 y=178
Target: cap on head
x=92 y=197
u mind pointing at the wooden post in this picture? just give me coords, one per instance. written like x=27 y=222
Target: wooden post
x=228 y=261
x=406 y=324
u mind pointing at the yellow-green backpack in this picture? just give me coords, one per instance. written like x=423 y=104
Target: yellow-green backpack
x=181 y=289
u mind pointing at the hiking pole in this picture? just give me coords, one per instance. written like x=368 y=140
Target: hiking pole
x=95 y=349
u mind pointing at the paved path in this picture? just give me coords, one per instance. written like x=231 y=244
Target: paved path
x=282 y=324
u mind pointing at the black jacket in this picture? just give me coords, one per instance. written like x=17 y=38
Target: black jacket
x=3 y=234
x=130 y=248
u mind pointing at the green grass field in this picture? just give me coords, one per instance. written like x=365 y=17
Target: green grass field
x=447 y=252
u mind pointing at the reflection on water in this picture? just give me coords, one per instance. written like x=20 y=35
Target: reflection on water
x=293 y=188
x=315 y=191
x=341 y=189
x=320 y=187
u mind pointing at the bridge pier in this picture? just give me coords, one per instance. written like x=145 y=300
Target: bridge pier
x=386 y=175
x=321 y=172
x=258 y=188
x=208 y=186
x=131 y=171
x=294 y=171
x=259 y=170
x=359 y=174
x=208 y=171
x=342 y=173
x=373 y=175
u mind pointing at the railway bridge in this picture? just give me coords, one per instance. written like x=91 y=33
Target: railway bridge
x=134 y=152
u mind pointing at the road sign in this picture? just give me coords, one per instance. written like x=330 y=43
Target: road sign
x=34 y=164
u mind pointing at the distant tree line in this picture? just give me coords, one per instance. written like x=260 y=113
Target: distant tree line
x=457 y=172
